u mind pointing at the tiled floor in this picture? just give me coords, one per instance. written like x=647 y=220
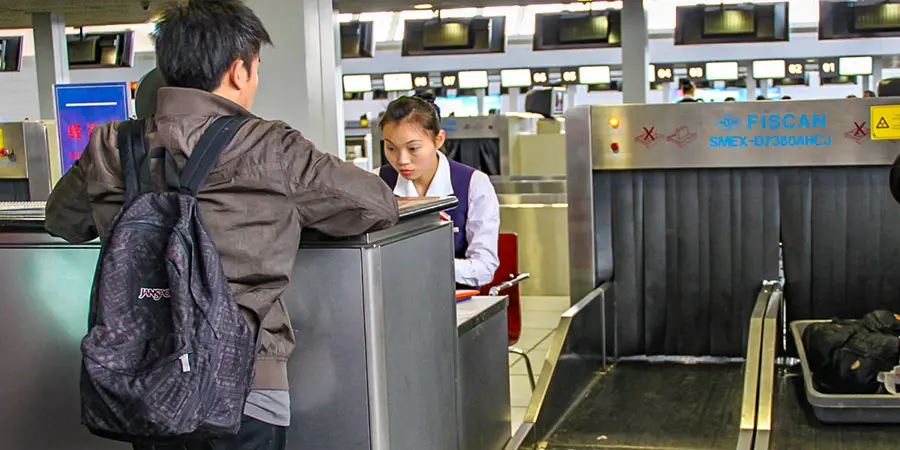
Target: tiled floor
x=540 y=315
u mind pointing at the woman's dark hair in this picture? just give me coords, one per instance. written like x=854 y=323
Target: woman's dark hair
x=416 y=110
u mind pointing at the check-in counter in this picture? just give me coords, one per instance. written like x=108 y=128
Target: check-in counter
x=376 y=363
x=483 y=385
x=536 y=209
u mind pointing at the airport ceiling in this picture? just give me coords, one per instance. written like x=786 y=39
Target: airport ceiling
x=17 y=13
x=355 y=6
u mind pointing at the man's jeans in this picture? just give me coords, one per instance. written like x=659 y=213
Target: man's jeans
x=253 y=435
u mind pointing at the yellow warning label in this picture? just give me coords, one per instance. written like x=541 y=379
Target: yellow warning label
x=885 y=120
x=1 y=138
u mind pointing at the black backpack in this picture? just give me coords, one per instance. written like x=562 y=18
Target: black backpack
x=168 y=356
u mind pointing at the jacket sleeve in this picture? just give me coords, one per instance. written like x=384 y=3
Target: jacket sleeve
x=68 y=214
x=333 y=196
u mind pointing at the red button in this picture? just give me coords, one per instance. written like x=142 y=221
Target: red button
x=4 y=152
x=615 y=147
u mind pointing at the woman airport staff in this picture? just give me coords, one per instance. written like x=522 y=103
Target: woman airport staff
x=412 y=132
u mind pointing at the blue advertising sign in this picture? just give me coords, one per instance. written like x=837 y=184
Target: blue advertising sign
x=82 y=107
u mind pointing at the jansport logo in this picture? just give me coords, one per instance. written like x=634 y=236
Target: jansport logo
x=155 y=294
x=728 y=122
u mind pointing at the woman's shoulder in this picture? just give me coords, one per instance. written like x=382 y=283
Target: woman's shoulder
x=481 y=185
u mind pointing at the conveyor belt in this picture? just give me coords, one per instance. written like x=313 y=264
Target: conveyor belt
x=796 y=427
x=642 y=405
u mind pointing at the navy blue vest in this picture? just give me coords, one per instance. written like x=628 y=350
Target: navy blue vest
x=460 y=178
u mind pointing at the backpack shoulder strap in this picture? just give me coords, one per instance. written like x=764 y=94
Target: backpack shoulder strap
x=207 y=151
x=132 y=154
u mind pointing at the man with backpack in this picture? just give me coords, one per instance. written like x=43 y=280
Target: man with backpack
x=168 y=362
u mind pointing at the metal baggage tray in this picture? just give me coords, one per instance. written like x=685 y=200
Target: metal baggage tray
x=831 y=408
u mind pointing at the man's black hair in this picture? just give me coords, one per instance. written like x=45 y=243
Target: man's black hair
x=197 y=43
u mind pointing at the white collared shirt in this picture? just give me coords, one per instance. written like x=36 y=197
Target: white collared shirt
x=482 y=221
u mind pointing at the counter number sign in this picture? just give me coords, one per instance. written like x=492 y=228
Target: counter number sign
x=570 y=75
x=420 y=80
x=828 y=68
x=665 y=73
x=696 y=72
x=795 y=69
x=540 y=77
x=449 y=79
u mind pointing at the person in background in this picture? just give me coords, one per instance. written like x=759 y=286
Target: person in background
x=787 y=97
x=730 y=99
x=852 y=96
x=268 y=185
x=868 y=94
x=761 y=98
x=417 y=168
x=688 y=91
x=430 y=97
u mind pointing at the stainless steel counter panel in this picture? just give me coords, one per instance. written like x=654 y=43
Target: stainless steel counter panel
x=535 y=209
x=374 y=319
x=46 y=288
x=540 y=221
x=585 y=255
x=828 y=119
x=483 y=392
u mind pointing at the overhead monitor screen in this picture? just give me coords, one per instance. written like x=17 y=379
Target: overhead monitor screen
x=720 y=21
x=773 y=69
x=437 y=35
x=583 y=28
x=855 y=65
x=398 y=82
x=82 y=51
x=883 y=17
x=357 y=83
x=594 y=75
x=511 y=78
x=473 y=79
x=722 y=71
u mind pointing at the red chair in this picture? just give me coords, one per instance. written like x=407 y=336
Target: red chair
x=506 y=281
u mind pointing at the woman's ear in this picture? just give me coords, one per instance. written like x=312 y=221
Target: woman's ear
x=440 y=139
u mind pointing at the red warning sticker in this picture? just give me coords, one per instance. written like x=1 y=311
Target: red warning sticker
x=648 y=137
x=858 y=133
x=682 y=136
